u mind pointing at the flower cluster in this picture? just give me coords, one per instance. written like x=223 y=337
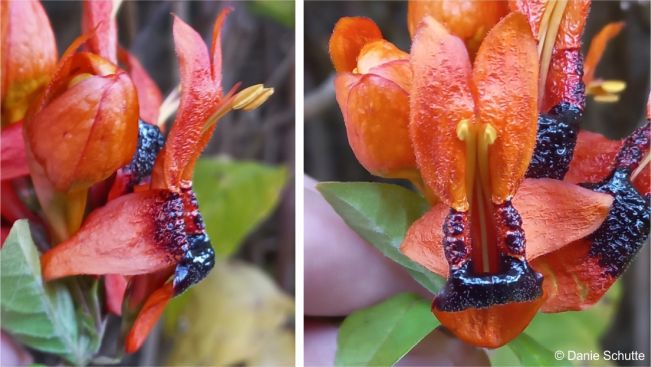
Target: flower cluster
x=528 y=212
x=86 y=132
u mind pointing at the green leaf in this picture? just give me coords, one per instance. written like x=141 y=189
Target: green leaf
x=532 y=353
x=41 y=316
x=234 y=197
x=278 y=10
x=382 y=334
x=381 y=214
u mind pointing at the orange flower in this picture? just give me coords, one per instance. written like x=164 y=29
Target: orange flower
x=157 y=235
x=29 y=55
x=372 y=88
x=473 y=132
x=602 y=90
x=467 y=19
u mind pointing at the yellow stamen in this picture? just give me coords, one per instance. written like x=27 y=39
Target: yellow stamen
x=478 y=138
x=115 y=8
x=169 y=106
x=252 y=97
x=547 y=33
x=613 y=86
x=606 y=98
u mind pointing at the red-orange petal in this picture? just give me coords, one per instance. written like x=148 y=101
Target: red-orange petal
x=423 y=243
x=199 y=99
x=440 y=98
x=85 y=134
x=377 y=53
x=469 y=20
x=555 y=213
x=127 y=236
x=594 y=158
x=149 y=96
x=397 y=71
x=148 y=316
x=506 y=81
x=377 y=116
x=29 y=55
x=114 y=287
x=597 y=48
x=574 y=280
x=216 y=47
x=490 y=327
x=348 y=38
x=13 y=159
x=97 y=16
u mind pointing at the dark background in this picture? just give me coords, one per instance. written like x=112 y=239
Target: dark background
x=328 y=156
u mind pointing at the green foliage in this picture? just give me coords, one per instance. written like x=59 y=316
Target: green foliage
x=41 y=316
x=532 y=353
x=381 y=214
x=234 y=198
x=278 y=10
x=382 y=334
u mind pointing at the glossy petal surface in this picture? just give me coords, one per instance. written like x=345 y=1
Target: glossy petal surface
x=506 y=80
x=97 y=17
x=149 y=96
x=88 y=132
x=467 y=19
x=440 y=98
x=377 y=53
x=29 y=55
x=376 y=112
x=348 y=38
x=13 y=157
x=128 y=236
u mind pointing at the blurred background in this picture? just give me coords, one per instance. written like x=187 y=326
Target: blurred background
x=329 y=158
x=243 y=313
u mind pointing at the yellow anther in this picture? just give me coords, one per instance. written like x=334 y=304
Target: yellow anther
x=252 y=97
x=463 y=130
x=613 y=86
x=606 y=98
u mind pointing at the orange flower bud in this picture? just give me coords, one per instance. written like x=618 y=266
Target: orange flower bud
x=469 y=20
x=373 y=97
x=85 y=125
x=29 y=55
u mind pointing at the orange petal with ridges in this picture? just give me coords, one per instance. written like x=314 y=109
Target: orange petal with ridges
x=469 y=20
x=574 y=280
x=151 y=311
x=13 y=159
x=377 y=53
x=490 y=327
x=97 y=16
x=29 y=55
x=423 y=243
x=216 y=47
x=571 y=28
x=597 y=48
x=348 y=38
x=440 y=98
x=85 y=134
x=594 y=158
x=555 y=213
x=199 y=99
x=149 y=96
x=506 y=81
x=571 y=211
x=127 y=236
x=377 y=116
